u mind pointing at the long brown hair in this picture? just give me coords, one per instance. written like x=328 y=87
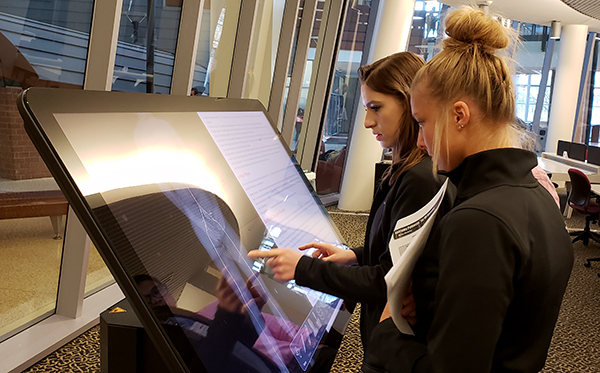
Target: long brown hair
x=393 y=75
x=469 y=65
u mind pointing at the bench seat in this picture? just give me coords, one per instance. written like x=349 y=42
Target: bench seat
x=52 y=203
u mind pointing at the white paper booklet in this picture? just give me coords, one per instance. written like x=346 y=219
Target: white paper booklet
x=406 y=245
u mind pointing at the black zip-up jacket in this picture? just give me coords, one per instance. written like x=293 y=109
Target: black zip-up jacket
x=365 y=282
x=489 y=285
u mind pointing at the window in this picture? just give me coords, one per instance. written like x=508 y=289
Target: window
x=146 y=47
x=343 y=98
x=427 y=28
x=215 y=47
x=42 y=43
x=527 y=87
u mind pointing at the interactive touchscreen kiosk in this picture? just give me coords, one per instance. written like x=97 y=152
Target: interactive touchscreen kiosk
x=174 y=191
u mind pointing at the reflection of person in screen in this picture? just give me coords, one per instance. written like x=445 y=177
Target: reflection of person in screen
x=177 y=234
x=221 y=332
x=225 y=342
x=407 y=185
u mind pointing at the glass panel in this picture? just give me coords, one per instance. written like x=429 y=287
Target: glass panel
x=520 y=108
x=32 y=258
x=426 y=32
x=596 y=107
x=98 y=275
x=594 y=138
x=146 y=46
x=345 y=92
x=215 y=47
x=263 y=51
x=533 y=93
x=521 y=94
x=308 y=69
x=288 y=79
x=546 y=105
x=42 y=43
x=522 y=79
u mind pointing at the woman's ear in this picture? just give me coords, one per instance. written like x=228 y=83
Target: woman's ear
x=461 y=114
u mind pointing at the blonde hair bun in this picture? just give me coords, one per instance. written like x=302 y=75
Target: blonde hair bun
x=470 y=28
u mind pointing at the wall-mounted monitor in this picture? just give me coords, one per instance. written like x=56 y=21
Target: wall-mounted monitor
x=174 y=191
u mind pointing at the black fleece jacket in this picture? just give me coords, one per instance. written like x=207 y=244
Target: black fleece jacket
x=489 y=285
x=365 y=282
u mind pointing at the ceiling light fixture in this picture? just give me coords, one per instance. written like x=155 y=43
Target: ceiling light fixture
x=555 y=30
x=485 y=7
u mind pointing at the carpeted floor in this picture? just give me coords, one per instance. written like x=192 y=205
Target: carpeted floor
x=575 y=346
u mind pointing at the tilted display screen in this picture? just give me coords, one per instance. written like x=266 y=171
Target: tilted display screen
x=174 y=191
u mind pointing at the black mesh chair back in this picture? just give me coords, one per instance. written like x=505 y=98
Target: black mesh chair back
x=581 y=190
x=580 y=198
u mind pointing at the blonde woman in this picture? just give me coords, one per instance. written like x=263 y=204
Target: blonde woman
x=489 y=285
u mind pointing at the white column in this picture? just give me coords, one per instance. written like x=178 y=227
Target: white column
x=73 y=270
x=102 y=49
x=566 y=85
x=391 y=34
x=187 y=47
x=222 y=43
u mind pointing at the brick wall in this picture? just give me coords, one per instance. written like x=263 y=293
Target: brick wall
x=19 y=159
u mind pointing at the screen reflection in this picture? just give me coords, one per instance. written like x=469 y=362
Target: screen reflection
x=181 y=199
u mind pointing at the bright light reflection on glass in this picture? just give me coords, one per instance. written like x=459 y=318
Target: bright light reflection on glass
x=149 y=167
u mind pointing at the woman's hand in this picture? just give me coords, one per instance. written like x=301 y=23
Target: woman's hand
x=283 y=262
x=257 y=296
x=408 y=310
x=331 y=253
x=228 y=299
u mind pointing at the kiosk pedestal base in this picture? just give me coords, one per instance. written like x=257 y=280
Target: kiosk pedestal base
x=124 y=345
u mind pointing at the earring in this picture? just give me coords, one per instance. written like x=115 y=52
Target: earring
x=461 y=126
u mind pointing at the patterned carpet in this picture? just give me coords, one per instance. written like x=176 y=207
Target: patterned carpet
x=575 y=346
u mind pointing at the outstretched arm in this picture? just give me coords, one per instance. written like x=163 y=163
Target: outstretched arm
x=331 y=253
x=283 y=262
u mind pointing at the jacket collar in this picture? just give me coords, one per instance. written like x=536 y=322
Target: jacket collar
x=492 y=168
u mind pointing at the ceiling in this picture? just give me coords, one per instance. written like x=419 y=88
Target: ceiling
x=543 y=12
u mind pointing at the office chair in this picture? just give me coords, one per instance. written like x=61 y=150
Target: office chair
x=580 y=199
